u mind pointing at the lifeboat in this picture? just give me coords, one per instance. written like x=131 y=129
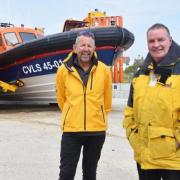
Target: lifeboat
x=29 y=57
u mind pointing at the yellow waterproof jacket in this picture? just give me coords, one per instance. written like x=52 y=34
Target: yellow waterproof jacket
x=84 y=109
x=152 y=116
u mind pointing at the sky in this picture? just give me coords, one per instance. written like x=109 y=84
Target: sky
x=138 y=16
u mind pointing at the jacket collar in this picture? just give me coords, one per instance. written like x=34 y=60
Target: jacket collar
x=69 y=61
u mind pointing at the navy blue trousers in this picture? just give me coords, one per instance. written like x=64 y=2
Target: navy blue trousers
x=71 y=145
x=158 y=174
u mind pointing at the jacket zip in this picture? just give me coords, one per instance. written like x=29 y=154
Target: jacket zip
x=91 y=81
x=65 y=117
x=84 y=89
x=102 y=112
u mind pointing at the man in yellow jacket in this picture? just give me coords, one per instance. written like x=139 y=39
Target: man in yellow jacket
x=152 y=116
x=84 y=95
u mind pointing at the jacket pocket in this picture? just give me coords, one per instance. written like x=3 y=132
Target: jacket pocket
x=134 y=141
x=162 y=142
x=64 y=116
x=102 y=113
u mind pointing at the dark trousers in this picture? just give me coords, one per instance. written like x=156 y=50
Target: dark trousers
x=158 y=174
x=71 y=145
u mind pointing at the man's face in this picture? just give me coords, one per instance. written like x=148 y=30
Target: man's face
x=84 y=48
x=159 y=42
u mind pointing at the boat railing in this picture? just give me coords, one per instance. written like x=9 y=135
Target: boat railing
x=5 y=25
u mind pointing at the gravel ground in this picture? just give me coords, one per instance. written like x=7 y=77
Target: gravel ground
x=30 y=145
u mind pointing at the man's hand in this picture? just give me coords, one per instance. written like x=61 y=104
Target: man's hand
x=177 y=145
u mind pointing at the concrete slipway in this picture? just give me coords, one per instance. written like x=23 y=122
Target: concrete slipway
x=30 y=144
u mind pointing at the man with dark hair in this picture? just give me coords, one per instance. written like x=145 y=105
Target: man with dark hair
x=84 y=94
x=152 y=115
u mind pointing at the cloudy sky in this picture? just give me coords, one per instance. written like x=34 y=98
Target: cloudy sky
x=138 y=16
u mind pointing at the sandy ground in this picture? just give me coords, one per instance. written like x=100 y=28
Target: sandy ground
x=30 y=145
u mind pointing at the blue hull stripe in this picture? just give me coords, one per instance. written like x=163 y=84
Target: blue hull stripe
x=46 y=65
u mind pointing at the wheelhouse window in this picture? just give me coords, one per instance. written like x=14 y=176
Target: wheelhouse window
x=27 y=36
x=11 y=38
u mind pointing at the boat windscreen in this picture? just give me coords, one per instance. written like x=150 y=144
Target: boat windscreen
x=11 y=38
x=25 y=36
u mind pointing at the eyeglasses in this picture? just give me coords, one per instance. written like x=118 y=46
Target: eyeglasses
x=87 y=33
